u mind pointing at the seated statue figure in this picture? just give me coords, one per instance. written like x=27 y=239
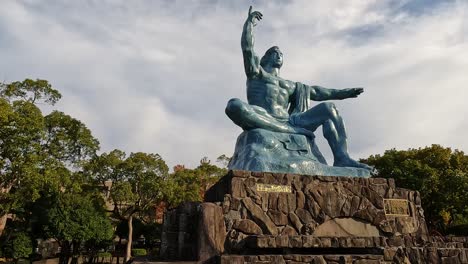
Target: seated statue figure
x=280 y=105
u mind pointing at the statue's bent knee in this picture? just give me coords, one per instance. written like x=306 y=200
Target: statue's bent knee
x=331 y=108
x=235 y=107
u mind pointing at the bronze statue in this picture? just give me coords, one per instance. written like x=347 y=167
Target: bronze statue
x=280 y=105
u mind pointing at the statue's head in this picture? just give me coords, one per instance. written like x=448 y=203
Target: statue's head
x=273 y=57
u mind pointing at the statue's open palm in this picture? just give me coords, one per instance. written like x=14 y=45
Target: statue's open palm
x=254 y=16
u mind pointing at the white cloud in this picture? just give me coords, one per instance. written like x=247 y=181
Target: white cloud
x=155 y=76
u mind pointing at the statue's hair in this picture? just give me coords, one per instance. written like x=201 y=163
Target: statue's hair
x=266 y=57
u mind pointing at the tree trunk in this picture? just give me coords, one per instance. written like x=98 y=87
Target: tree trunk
x=128 y=254
x=118 y=250
x=76 y=251
x=3 y=220
x=64 y=252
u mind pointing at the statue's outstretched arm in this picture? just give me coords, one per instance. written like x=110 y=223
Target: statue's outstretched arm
x=318 y=93
x=251 y=62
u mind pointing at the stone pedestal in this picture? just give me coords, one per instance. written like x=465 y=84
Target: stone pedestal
x=252 y=217
x=263 y=150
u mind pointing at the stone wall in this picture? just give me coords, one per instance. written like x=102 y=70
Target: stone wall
x=180 y=232
x=251 y=217
x=321 y=206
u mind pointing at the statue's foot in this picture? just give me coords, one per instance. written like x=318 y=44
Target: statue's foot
x=349 y=162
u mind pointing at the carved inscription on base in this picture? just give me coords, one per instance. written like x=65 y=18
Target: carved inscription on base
x=273 y=188
x=396 y=207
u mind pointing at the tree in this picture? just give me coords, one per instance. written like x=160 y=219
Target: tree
x=438 y=173
x=33 y=145
x=138 y=184
x=20 y=246
x=71 y=218
x=68 y=140
x=37 y=152
x=224 y=160
x=191 y=184
x=30 y=91
x=209 y=174
x=184 y=185
x=21 y=131
x=42 y=155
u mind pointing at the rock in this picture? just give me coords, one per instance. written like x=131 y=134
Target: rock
x=319 y=260
x=291 y=202
x=226 y=203
x=406 y=225
x=295 y=221
x=288 y=231
x=311 y=241
x=346 y=227
x=230 y=217
x=283 y=203
x=304 y=216
x=396 y=241
x=212 y=231
x=260 y=217
x=282 y=240
x=247 y=226
x=278 y=217
x=240 y=173
x=266 y=242
x=320 y=212
x=273 y=201
x=295 y=241
x=232 y=259
x=262 y=150
x=309 y=228
x=300 y=199
x=237 y=188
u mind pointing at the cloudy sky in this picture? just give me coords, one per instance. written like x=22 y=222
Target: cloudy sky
x=155 y=76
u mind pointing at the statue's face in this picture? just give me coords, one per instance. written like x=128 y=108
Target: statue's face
x=276 y=59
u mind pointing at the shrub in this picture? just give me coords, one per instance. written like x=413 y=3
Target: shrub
x=137 y=252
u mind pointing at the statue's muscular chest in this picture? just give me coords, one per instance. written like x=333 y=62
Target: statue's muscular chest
x=273 y=90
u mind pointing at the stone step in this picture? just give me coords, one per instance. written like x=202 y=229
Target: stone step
x=299 y=259
x=307 y=241
x=166 y=262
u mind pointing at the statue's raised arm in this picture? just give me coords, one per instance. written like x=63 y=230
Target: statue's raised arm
x=251 y=61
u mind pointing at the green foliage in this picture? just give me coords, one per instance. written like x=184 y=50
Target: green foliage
x=190 y=184
x=152 y=233
x=224 y=160
x=139 y=252
x=77 y=217
x=104 y=255
x=438 y=173
x=30 y=90
x=68 y=140
x=37 y=152
x=137 y=181
x=20 y=246
x=184 y=185
x=21 y=131
x=50 y=175
x=103 y=168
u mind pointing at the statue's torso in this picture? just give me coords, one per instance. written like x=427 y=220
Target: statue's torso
x=271 y=93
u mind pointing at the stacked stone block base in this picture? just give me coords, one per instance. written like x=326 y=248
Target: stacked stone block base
x=252 y=217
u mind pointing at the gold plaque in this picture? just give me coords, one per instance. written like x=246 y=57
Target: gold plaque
x=397 y=207
x=273 y=188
